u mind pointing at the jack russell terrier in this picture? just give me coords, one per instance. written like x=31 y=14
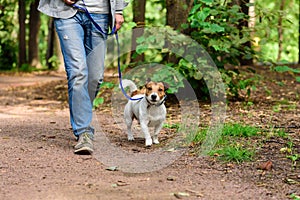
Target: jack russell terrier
x=150 y=110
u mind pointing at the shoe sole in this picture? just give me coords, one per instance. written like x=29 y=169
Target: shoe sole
x=84 y=151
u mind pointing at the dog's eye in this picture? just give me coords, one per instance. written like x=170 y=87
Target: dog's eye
x=149 y=88
x=160 y=90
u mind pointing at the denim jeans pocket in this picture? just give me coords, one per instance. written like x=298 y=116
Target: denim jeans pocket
x=103 y=21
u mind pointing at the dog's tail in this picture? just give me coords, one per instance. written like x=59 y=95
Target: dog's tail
x=128 y=83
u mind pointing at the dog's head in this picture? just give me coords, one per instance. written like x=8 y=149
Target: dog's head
x=155 y=91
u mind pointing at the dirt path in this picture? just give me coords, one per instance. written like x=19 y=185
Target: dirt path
x=37 y=161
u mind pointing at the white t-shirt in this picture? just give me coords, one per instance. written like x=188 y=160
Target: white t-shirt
x=95 y=6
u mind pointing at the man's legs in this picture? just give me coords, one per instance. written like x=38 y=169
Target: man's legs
x=71 y=34
x=84 y=49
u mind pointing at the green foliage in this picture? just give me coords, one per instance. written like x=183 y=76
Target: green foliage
x=172 y=73
x=217 y=27
x=291 y=151
x=54 y=61
x=155 y=10
x=100 y=100
x=184 y=55
x=238 y=86
x=43 y=43
x=168 y=76
x=266 y=34
x=8 y=35
x=285 y=68
x=26 y=68
x=294 y=158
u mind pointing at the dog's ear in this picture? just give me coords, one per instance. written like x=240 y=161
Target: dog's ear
x=166 y=86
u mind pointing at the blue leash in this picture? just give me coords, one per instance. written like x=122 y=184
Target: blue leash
x=113 y=32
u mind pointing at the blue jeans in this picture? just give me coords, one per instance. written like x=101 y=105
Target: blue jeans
x=83 y=48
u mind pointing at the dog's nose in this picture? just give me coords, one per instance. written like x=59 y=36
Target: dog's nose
x=153 y=96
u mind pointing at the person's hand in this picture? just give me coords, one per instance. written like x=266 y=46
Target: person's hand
x=119 y=20
x=70 y=2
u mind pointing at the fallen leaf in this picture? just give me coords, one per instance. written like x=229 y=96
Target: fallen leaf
x=146 y=179
x=291 y=181
x=285 y=150
x=171 y=150
x=266 y=165
x=122 y=183
x=112 y=168
x=230 y=165
x=171 y=178
x=196 y=193
x=114 y=185
x=180 y=195
x=216 y=154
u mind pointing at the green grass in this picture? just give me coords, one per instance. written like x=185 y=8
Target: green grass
x=196 y=137
x=238 y=142
x=294 y=197
x=239 y=130
x=232 y=145
x=284 y=105
x=234 y=153
x=229 y=130
x=172 y=126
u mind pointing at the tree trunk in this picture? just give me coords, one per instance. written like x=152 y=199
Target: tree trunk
x=251 y=25
x=280 y=30
x=138 y=9
x=34 y=26
x=178 y=12
x=22 y=33
x=243 y=23
x=50 y=43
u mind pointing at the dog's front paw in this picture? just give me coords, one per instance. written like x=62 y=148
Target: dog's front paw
x=148 y=142
x=130 y=138
x=155 y=141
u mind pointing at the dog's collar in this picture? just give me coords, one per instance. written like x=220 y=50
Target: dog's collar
x=157 y=105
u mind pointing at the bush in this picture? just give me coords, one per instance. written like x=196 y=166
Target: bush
x=217 y=26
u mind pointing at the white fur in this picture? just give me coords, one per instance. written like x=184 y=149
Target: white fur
x=148 y=114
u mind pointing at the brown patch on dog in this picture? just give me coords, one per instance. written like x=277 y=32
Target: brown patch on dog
x=155 y=87
x=152 y=87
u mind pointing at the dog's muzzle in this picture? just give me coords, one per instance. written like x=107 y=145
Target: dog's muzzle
x=153 y=97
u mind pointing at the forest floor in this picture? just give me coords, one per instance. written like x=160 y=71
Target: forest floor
x=37 y=159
